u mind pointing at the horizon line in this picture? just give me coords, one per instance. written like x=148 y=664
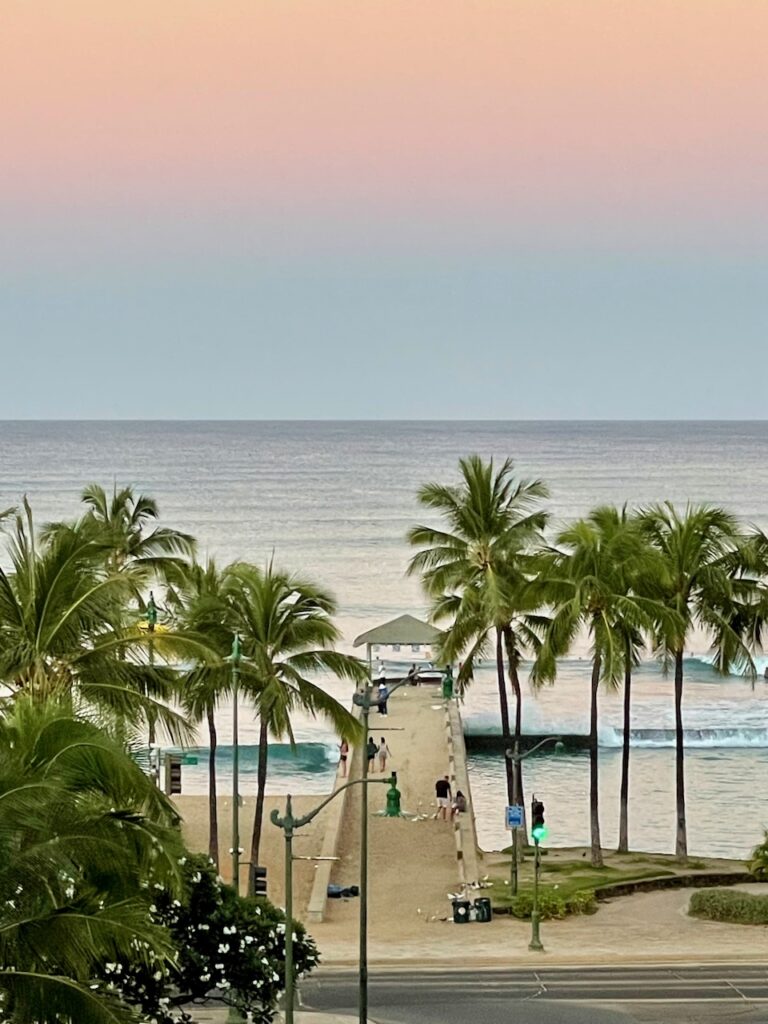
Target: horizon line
x=334 y=419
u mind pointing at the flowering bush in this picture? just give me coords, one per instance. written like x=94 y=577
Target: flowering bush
x=229 y=947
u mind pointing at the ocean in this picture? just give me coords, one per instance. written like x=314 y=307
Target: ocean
x=333 y=500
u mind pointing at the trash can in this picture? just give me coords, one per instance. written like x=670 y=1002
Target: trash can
x=483 y=912
x=461 y=911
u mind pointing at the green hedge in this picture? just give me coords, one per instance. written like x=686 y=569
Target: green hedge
x=553 y=904
x=729 y=905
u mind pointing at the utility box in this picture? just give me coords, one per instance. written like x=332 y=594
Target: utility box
x=172 y=774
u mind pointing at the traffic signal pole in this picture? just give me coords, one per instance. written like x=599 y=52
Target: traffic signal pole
x=535 y=944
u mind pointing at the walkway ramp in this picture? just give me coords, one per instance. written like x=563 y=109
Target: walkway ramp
x=412 y=863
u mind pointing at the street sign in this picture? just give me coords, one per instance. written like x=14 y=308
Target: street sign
x=514 y=816
x=188 y=759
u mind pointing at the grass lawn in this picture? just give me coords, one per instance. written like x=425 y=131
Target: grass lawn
x=566 y=872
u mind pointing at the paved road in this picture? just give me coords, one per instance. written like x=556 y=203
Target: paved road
x=608 y=995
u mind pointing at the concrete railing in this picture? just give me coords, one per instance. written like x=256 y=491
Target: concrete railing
x=464 y=824
x=333 y=816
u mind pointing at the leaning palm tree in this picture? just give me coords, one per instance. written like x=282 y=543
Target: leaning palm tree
x=82 y=833
x=587 y=582
x=477 y=570
x=287 y=631
x=63 y=633
x=713 y=573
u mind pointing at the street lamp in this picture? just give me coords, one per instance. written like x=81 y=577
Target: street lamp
x=288 y=823
x=516 y=757
x=235 y=663
x=366 y=700
x=151 y=623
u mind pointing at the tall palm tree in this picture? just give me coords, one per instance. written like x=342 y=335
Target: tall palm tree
x=713 y=585
x=587 y=582
x=287 y=632
x=477 y=570
x=63 y=632
x=82 y=832
x=196 y=601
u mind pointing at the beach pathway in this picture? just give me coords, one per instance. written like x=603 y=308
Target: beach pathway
x=412 y=863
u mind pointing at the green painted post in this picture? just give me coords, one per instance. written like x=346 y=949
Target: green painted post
x=535 y=943
x=235 y=768
x=289 y=912
x=151 y=623
x=363 y=965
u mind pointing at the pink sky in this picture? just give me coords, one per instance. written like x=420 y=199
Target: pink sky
x=554 y=109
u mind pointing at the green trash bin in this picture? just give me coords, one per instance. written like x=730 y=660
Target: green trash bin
x=483 y=912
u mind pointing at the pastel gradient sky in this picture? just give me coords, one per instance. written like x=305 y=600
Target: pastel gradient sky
x=400 y=208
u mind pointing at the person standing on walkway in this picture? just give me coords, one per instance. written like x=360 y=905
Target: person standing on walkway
x=443 y=794
x=371 y=751
x=343 y=754
x=383 y=697
x=384 y=753
x=382 y=700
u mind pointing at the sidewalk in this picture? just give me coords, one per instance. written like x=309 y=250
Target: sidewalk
x=218 y=1015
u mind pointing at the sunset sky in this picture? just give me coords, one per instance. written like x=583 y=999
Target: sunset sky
x=346 y=208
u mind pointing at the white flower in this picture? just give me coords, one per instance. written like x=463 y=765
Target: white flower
x=223 y=947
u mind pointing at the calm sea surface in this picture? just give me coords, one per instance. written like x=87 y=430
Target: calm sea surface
x=335 y=499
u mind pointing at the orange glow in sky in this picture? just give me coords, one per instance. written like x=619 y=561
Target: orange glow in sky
x=485 y=106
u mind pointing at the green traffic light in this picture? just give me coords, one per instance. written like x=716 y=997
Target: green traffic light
x=539 y=833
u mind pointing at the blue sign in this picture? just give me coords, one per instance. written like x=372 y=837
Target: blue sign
x=515 y=816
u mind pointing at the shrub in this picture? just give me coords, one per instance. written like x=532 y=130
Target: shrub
x=729 y=905
x=758 y=865
x=553 y=905
x=228 y=943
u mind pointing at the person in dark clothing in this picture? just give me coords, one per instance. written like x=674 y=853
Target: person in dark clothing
x=371 y=750
x=443 y=794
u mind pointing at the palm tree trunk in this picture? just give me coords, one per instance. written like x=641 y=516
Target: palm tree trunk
x=504 y=709
x=258 y=814
x=213 y=816
x=624 y=797
x=681 y=845
x=594 y=793
x=514 y=678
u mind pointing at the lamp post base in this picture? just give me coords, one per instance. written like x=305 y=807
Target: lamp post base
x=535 y=945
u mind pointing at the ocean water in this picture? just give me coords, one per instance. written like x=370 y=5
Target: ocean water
x=334 y=500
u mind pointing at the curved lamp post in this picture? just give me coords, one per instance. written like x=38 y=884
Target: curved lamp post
x=289 y=823
x=366 y=700
x=151 y=610
x=234 y=660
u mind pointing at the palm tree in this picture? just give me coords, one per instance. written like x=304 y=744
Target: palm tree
x=478 y=571
x=713 y=585
x=82 y=832
x=587 y=577
x=124 y=521
x=197 y=603
x=286 y=627
x=63 y=634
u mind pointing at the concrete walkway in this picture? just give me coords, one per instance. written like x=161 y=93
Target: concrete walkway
x=412 y=863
